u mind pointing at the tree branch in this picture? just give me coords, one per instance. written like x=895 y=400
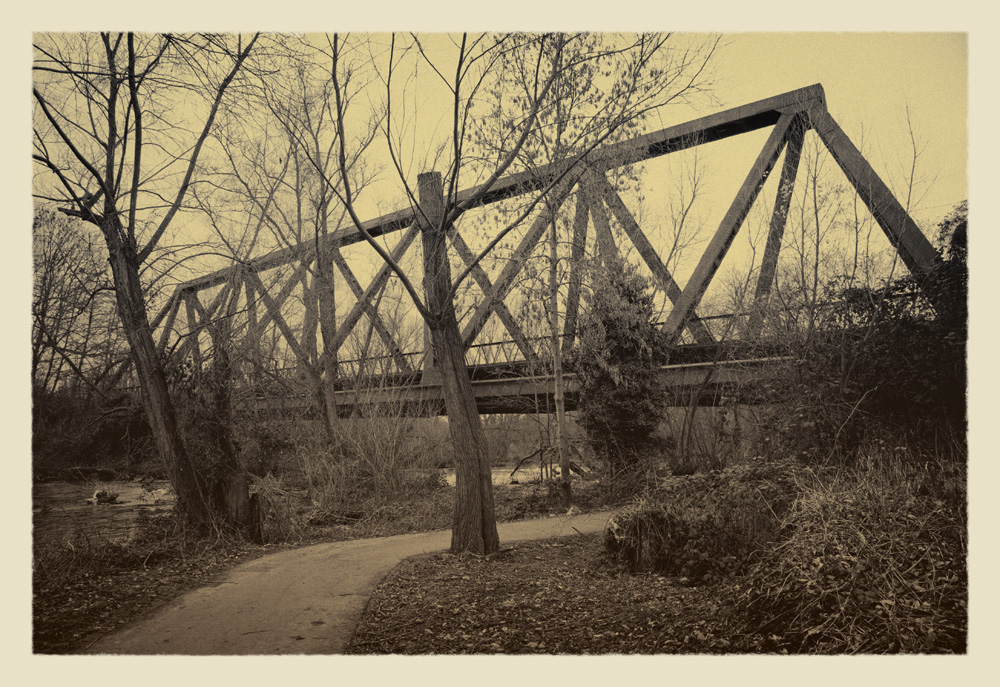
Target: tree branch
x=151 y=244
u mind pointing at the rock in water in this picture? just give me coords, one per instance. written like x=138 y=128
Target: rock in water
x=107 y=497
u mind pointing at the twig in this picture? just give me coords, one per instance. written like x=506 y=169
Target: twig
x=527 y=457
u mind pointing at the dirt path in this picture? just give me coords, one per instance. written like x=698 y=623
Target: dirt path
x=303 y=601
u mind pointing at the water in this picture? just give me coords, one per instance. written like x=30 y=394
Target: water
x=61 y=511
x=501 y=476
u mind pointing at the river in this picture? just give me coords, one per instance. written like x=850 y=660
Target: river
x=501 y=476
x=61 y=510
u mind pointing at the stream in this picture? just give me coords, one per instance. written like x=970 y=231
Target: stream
x=61 y=511
x=501 y=476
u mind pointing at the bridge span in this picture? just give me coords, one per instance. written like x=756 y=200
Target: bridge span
x=506 y=389
x=286 y=309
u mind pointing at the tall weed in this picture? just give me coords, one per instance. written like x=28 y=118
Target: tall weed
x=368 y=462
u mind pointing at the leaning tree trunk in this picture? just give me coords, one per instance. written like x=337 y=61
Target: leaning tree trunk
x=229 y=489
x=187 y=483
x=474 y=527
x=200 y=503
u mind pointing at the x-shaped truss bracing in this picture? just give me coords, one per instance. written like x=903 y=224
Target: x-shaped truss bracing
x=790 y=115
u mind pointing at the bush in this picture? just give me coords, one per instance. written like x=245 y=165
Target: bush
x=872 y=561
x=704 y=527
x=621 y=398
x=881 y=364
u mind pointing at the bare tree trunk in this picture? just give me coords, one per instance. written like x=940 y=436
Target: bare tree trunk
x=328 y=330
x=474 y=526
x=225 y=498
x=229 y=488
x=312 y=374
x=187 y=483
x=565 y=489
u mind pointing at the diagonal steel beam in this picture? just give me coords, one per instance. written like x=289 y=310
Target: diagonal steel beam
x=913 y=247
x=607 y=250
x=377 y=322
x=364 y=301
x=649 y=255
x=274 y=310
x=723 y=239
x=192 y=346
x=297 y=276
x=175 y=305
x=782 y=201
x=515 y=264
x=205 y=314
x=501 y=309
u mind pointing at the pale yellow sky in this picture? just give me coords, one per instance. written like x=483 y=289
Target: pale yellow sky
x=870 y=80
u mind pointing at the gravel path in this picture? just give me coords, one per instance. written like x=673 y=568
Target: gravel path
x=302 y=601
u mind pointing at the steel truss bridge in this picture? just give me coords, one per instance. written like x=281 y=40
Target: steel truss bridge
x=273 y=297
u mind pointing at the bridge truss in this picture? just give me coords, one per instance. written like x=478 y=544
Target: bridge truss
x=266 y=304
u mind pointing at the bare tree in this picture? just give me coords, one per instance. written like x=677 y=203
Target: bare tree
x=474 y=81
x=606 y=88
x=120 y=124
x=75 y=335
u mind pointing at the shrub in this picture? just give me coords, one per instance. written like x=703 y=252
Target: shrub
x=882 y=363
x=873 y=561
x=704 y=527
x=621 y=398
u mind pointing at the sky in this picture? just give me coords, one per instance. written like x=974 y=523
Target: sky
x=870 y=80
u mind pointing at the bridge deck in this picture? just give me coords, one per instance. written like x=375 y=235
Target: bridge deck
x=529 y=394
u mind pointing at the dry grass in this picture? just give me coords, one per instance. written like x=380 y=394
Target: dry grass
x=704 y=527
x=874 y=561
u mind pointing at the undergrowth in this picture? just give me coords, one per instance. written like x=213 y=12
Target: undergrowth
x=865 y=558
x=704 y=527
x=873 y=560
